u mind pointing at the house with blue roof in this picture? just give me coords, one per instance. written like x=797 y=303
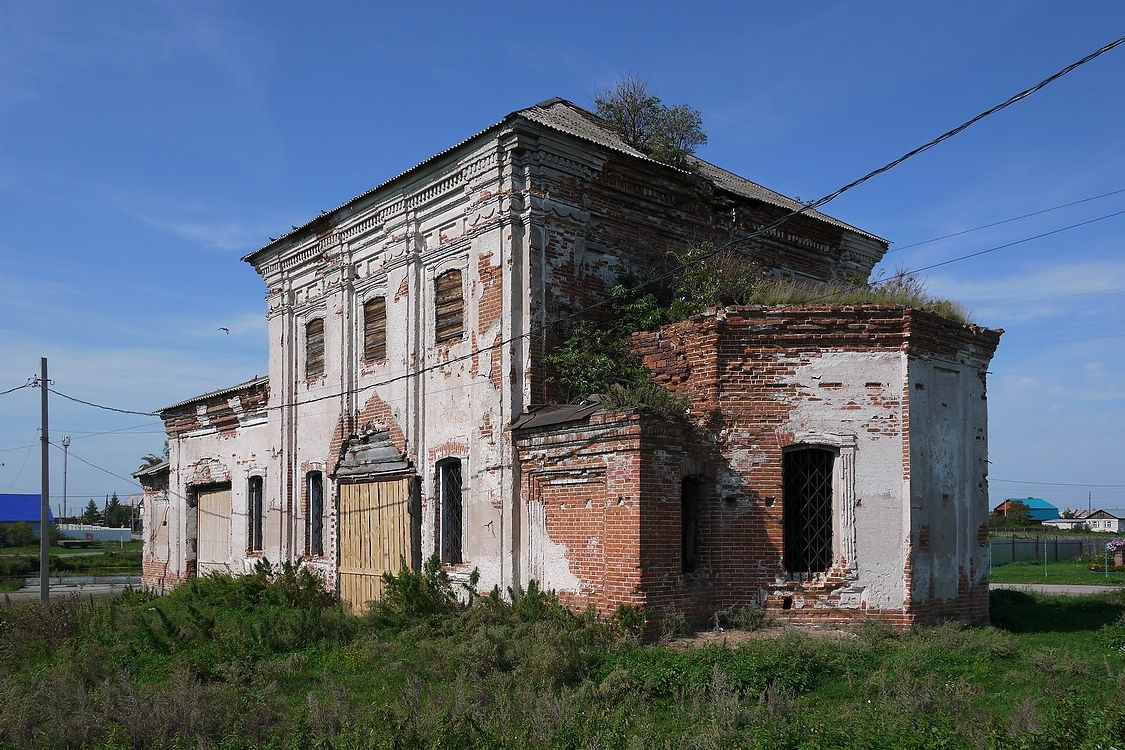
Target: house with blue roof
x=1039 y=509
x=16 y=508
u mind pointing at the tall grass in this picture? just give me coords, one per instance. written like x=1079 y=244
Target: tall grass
x=270 y=661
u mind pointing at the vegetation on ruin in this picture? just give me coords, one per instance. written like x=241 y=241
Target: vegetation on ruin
x=669 y=134
x=271 y=661
x=595 y=356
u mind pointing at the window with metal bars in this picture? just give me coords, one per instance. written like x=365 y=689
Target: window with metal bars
x=375 y=329
x=451 y=508
x=315 y=519
x=254 y=515
x=314 y=348
x=449 y=307
x=807 y=488
x=691 y=510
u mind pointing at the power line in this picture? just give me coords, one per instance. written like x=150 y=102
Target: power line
x=1006 y=221
x=763 y=230
x=1067 y=341
x=960 y=258
x=1052 y=484
x=102 y=406
x=805 y=207
x=1048 y=299
x=18 y=387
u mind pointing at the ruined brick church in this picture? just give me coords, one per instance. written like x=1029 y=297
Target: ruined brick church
x=833 y=465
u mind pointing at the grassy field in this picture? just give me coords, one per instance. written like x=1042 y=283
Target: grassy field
x=1072 y=572
x=19 y=563
x=270 y=662
x=100 y=547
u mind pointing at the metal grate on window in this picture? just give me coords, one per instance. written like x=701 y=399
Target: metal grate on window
x=449 y=496
x=254 y=532
x=375 y=329
x=314 y=348
x=808 y=510
x=449 y=307
x=316 y=513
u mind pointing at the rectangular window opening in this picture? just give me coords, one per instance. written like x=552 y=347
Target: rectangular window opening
x=449 y=307
x=375 y=329
x=450 y=502
x=254 y=514
x=316 y=514
x=691 y=511
x=807 y=487
x=314 y=348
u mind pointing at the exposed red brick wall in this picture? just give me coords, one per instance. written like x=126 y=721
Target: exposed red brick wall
x=731 y=367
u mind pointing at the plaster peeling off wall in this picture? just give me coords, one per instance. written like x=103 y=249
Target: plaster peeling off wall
x=840 y=397
x=948 y=465
x=547 y=559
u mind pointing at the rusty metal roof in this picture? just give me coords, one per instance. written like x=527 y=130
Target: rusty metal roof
x=569 y=118
x=544 y=415
x=244 y=386
x=150 y=470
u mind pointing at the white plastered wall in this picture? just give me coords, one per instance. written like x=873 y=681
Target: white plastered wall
x=851 y=401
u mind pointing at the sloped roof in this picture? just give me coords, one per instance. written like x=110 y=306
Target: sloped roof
x=246 y=385
x=21 y=507
x=542 y=415
x=1038 y=508
x=150 y=470
x=569 y=118
x=371 y=454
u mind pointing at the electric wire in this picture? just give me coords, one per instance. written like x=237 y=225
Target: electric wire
x=805 y=207
x=1052 y=484
x=18 y=387
x=1005 y=221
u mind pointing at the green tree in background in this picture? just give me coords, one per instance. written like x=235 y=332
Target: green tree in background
x=116 y=515
x=91 y=514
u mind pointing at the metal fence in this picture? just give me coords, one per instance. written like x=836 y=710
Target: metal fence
x=1006 y=551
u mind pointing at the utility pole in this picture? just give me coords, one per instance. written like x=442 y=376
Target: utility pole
x=66 y=451
x=45 y=489
x=1090 y=500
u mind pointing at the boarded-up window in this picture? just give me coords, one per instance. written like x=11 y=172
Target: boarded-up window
x=375 y=329
x=254 y=515
x=314 y=348
x=449 y=307
x=450 y=499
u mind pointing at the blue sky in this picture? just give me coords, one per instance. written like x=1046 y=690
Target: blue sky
x=145 y=146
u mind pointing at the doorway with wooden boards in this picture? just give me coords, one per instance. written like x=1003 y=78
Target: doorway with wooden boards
x=379 y=529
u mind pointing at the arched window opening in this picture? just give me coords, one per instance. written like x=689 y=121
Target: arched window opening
x=451 y=510
x=807 y=487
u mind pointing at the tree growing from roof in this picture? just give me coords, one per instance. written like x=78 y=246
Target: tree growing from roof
x=666 y=133
x=151 y=459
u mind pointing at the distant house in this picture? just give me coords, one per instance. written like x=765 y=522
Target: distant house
x=21 y=508
x=1039 y=509
x=1110 y=521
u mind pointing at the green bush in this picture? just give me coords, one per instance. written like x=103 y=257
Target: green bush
x=17 y=534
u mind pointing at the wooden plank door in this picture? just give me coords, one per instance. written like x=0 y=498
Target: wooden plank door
x=374 y=534
x=213 y=505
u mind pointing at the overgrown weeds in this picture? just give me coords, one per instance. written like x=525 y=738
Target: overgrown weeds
x=271 y=661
